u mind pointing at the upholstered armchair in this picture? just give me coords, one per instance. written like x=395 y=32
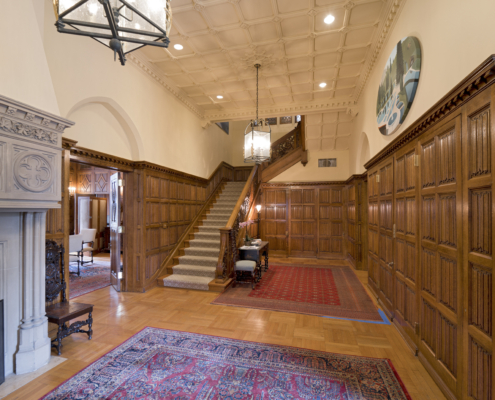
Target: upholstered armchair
x=75 y=250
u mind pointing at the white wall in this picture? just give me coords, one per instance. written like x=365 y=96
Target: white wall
x=311 y=172
x=157 y=127
x=455 y=35
x=24 y=73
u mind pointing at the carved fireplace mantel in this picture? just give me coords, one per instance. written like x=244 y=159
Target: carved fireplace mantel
x=30 y=156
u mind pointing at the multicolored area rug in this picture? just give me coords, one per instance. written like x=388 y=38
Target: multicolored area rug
x=163 y=364
x=333 y=291
x=93 y=277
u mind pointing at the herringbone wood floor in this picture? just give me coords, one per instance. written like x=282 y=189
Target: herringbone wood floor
x=118 y=316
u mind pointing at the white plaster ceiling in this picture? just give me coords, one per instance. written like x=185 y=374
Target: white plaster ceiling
x=328 y=131
x=222 y=39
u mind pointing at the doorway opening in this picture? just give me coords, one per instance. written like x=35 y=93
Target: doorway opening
x=96 y=211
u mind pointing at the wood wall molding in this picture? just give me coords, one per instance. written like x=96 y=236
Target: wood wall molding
x=472 y=85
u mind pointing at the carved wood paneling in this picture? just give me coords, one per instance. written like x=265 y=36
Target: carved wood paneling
x=429 y=271
x=448 y=282
x=429 y=325
x=481 y=217
x=447 y=158
x=480 y=297
x=447 y=346
x=448 y=220
x=428 y=222
x=479 y=144
x=480 y=372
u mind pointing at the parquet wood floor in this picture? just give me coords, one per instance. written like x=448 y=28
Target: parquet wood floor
x=118 y=316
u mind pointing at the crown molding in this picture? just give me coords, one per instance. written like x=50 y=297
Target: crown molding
x=290 y=109
x=387 y=26
x=155 y=73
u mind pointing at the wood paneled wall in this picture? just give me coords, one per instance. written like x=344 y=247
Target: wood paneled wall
x=304 y=220
x=355 y=218
x=430 y=222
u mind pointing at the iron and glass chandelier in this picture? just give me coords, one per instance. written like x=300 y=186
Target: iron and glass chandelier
x=122 y=25
x=257 y=136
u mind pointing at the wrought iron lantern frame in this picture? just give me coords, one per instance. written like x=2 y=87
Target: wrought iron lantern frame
x=161 y=38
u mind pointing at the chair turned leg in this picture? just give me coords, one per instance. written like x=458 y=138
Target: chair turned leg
x=90 y=325
x=91 y=257
x=253 y=278
x=59 y=338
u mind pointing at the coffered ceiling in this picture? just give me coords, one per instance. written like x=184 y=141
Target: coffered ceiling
x=222 y=40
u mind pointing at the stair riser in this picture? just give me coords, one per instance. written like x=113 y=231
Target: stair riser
x=215 y=222
x=205 y=245
x=200 y=252
x=210 y=229
x=185 y=285
x=205 y=236
x=200 y=262
x=194 y=272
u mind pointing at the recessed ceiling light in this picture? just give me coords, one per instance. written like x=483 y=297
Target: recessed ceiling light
x=329 y=19
x=178 y=47
x=323 y=84
x=219 y=97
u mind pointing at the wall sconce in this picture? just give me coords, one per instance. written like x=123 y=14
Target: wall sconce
x=72 y=190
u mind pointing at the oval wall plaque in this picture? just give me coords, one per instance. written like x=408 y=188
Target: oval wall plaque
x=398 y=85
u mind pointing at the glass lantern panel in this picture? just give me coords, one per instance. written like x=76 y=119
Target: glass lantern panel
x=248 y=141
x=261 y=144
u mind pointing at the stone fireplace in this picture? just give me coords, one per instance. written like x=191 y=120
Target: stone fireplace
x=30 y=184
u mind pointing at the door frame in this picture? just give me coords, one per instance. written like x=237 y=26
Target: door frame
x=114 y=164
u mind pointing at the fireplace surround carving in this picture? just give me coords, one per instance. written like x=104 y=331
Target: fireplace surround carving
x=30 y=184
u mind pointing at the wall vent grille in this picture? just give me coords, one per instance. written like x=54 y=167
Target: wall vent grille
x=327 y=162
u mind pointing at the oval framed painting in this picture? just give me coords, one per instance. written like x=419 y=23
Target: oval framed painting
x=398 y=85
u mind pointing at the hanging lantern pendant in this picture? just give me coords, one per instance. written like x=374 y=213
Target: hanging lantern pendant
x=257 y=136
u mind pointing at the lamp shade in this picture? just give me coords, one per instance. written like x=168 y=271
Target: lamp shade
x=258 y=207
x=257 y=141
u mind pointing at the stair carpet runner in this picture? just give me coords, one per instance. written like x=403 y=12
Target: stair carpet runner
x=197 y=267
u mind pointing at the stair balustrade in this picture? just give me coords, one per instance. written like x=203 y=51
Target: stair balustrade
x=231 y=235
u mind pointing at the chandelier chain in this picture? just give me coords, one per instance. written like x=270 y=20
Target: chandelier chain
x=257 y=89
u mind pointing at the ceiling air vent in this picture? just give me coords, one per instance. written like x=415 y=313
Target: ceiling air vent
x=327 y=162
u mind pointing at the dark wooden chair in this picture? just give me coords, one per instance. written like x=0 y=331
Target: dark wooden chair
x=65 y=311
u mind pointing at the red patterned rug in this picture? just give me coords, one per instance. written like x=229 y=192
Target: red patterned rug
x=93 y=277
x=333 y=291
x=162 y=364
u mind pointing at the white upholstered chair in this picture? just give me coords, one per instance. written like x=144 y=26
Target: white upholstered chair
x=88 y=243
x=246 y=267
x=75 y=250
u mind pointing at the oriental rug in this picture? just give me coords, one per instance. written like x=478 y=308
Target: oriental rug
x=94 y=276
x=163 y=364
x=333 y=291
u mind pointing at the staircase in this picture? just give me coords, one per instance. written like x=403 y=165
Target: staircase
x=197 y=263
